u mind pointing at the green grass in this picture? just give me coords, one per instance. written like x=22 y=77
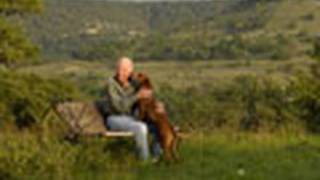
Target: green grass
x=218 y=155
x=40 y=152
x=179 y=74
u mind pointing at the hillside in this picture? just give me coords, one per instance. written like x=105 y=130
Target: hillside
x=175 y=30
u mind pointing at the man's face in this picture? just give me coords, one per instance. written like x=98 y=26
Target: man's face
x=124 y=70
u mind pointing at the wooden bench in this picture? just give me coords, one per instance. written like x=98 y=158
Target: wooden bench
x=87 y=118
x=84 y=118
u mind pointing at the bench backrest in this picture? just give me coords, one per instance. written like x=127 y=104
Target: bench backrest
x=82 y=117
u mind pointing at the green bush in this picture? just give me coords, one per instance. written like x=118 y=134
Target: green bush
x=316 y=49
x=247 y=103
x=307 y=97
x=25 y=97
x=264 y=47
x=15 y=46
x=266 y=104
x=35 y=155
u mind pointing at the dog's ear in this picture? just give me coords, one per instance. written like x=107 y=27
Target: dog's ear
x=147 y=82
x=133 y=76
x=135 y=81
x=141 y=75
x=140 y=79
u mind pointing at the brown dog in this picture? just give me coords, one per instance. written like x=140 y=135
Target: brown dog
x=148 y=112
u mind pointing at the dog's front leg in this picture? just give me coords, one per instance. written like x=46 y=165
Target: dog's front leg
x=142 y=112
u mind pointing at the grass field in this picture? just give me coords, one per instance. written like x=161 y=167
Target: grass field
x=205 y=156
x=178 y=74
x=41 y=152
x=245 y=157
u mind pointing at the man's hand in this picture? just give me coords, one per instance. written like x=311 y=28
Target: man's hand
x=144 y=93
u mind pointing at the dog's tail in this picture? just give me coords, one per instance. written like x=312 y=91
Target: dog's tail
x=180 y=134
x=177 y=143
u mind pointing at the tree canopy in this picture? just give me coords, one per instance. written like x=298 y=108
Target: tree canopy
x=10 y=7
x=15 y=47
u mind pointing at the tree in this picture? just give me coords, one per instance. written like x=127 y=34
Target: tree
x=15 y=47
x=316 y=51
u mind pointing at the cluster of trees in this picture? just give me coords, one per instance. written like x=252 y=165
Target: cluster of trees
x=23 y=97
x=161 y=47
x=14 y=46
x=162 y=30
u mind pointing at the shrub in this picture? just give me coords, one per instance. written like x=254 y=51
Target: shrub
x=307 y=97
x=15 y=47
x=316 y=49
x=266 y=104
x=247 y=103
x=25 y=97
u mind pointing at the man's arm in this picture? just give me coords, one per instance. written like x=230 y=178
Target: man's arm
x=120 y=103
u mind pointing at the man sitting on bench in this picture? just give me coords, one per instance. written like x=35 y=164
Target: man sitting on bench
x=122 y=97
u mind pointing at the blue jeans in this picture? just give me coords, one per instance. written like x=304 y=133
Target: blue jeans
x=156 y=146
x=140 y=131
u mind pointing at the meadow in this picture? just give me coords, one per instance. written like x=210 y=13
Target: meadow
x=205 y=156
x=240 y=117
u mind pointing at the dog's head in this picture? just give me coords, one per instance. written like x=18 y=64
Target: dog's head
x=142 y=80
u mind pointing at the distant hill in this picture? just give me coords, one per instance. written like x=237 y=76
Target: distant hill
x=97 y=29
x=66 y=25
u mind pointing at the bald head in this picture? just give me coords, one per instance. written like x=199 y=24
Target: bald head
x=124 y=69
x=125 y=62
